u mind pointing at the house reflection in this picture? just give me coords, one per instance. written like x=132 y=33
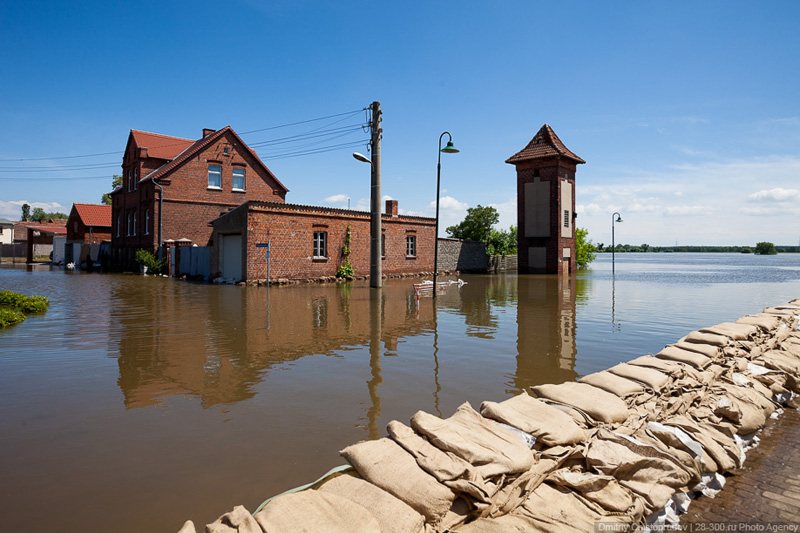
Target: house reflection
x=216 y=343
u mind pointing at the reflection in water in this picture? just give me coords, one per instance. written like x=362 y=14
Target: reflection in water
x=375 y=326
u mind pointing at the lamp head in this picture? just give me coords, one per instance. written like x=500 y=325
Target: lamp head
x=361 y=157
x=619 y=218
x=450 y=148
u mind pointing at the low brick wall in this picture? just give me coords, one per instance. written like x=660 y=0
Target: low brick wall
x=502 y=263
x=463 y=256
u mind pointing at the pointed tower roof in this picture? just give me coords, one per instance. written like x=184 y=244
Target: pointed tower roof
x=544 y=144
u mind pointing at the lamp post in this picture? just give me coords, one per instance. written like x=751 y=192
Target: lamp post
x=615 y=217
x=448 y=149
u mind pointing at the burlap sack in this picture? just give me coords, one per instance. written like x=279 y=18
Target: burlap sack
x=597 y=403
x=387 y=465
x=616 y=385
x=550 y=426
x=614 y=459
x=702 y=337
x=648 y=376
x=491 y=450
x=725 y=456
x=767 y=322
x=605 y=491
x=311 y=511
x=732 y=330
x=392 y=515
x=678 y=439
x=709 y=350
x=783 y=361
x=187 y=527
x=237 y=521
x=673 y=353
x=446 y=467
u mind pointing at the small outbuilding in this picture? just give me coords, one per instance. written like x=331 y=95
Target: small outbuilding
x=88 y=226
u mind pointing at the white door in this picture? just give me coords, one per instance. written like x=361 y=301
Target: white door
x=231 y=257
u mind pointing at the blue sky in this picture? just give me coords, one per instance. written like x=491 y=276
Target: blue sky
x=687 y=113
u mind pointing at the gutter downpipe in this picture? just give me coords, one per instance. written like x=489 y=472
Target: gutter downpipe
x=160 y=217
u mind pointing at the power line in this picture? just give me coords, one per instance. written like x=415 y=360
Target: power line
x=320 y=150
x=117 y=152
x=59 y=169
x=56 y=178
x=304 y=136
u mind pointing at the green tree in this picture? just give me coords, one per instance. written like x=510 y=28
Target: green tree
x=645 y=247
x=502 y=242
x=585 y=251
x=26 y=212
x=477 y=225
x=765 y=248
x=38 y=214
x=116 y=181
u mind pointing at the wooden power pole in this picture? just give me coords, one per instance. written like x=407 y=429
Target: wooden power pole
x=375 y=267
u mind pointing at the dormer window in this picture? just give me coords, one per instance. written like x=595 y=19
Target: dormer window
x=226 y=150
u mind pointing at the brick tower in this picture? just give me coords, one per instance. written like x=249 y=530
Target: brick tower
x=546 y=204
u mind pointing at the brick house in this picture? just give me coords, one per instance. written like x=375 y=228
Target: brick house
x=306 y=241
x=88 y=226
x=193 y=181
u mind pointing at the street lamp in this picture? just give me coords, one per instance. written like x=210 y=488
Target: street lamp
x=615 y=217
x=448 y=149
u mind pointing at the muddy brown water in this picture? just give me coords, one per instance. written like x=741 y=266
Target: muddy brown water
x=136 y=403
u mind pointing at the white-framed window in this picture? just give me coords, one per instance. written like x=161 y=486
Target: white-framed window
x=238 y=178
x=130 y=224
x=383 y=245
x=411 y=246
x=320 y=244
x=566 y=218
x=214 y=176
x=134 y=223
x=119 y=223
x=147 y=222
x=135 y=178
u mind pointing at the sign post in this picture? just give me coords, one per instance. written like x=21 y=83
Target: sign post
x=267 y=246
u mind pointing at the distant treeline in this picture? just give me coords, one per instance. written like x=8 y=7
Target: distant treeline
x=621 y=248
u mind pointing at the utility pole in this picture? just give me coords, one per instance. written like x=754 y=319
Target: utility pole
x=375 y=267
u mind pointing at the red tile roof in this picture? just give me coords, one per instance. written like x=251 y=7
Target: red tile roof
x=160 y=146
x=54 y=228
x=197 y=146
x=544 y=144
x=94 y=214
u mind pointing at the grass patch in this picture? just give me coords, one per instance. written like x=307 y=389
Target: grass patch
x=14 y=307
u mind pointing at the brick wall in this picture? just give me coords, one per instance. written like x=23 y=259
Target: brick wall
x=290 y=229
x=464 y=256
x=556 y=171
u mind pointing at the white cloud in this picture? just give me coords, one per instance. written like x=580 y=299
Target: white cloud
x=508 y=213
x=337 y=199
x=12 y=209
x=777 y=194
x=387 y=197
x=451 y=212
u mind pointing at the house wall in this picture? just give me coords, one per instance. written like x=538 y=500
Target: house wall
x=6 y=233
x=290 y=230
x=189 y=204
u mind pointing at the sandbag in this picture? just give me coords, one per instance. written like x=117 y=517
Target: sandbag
x=605 y=491
x=239 y=520
x=391 y=514
x=549 y=425
x=387 y=465
x=702 y=337
x=311 y=511
x=782 y=361
x=614 y=459
x=597 y=403
x=709 y=350
x=649 y=376
x=732 y=330
x=616 y=385
x=765 y=321
x=187 y=527
x=490 y=449
x=673 y=353
x=725 y=457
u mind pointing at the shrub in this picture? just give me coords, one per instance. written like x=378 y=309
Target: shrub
x=765 y=248
x=346 y=270
x=25 y=304
x=585 y=251
x=147 y=259
x=10 y=317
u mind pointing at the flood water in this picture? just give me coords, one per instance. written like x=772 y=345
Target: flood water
x=136 y=403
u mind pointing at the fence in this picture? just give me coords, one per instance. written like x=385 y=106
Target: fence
x=194 y=261
x=502 y=263
x=13 y=253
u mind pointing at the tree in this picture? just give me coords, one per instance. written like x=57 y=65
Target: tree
x=502 y=242
x=477 y=225
x=40 y=215
x=116 y=181
x=26 y=212
x=645 y=247
x=585 y=251
x=765 y=248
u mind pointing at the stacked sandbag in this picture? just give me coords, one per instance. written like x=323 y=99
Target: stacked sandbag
x=630 y=445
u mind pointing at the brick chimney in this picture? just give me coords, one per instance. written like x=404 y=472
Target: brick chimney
x=207 y=132
x=391 y=208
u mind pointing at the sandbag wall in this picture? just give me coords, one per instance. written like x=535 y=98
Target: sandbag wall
x=633 y=444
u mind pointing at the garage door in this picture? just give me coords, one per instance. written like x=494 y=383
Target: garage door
x=232 y=257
